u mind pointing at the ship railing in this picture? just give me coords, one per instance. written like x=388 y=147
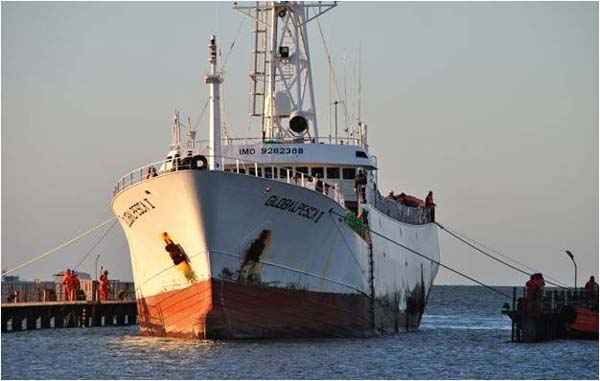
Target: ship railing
x=412 y=215
x=242 y=167
x=297 y=140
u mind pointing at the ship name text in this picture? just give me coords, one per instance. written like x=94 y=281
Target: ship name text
x=137 y=210
x=295 y=207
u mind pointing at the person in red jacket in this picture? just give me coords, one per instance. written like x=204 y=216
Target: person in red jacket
x=532 y=290
x=104 y=285
x=429 y=204
x=67 y=284
x=75 y=285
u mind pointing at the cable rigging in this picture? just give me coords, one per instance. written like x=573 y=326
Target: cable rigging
x=96 y=244
x=61 y=246
x=466 y=242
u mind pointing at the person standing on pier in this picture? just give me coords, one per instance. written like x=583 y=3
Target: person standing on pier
x=76 y=285
x=67 y=284
x=591 y=292
x=104 y=285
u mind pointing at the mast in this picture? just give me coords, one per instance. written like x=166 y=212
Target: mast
x=214 y=80
x=176 y=132
x=281 y=75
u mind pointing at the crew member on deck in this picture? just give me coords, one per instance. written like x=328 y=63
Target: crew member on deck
x=319 y=184
x=360 y=184
x=429 y=204
x=402 y=198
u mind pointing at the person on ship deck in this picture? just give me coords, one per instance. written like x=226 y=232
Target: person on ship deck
x=360 y=185
x=429 y=204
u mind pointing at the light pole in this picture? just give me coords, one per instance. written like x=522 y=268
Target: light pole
x=574 y=264
x=96 y=266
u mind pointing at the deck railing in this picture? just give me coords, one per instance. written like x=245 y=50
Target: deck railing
x=242 y=167
x=298 y=140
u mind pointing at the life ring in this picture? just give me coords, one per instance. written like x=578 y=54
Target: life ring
x=201 y=158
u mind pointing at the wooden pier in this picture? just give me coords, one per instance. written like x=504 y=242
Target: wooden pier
x=44 y=315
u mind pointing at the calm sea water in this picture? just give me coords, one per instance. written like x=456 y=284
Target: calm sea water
x=463 y=336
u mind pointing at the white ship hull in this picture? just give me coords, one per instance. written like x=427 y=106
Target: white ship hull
x=268 y=259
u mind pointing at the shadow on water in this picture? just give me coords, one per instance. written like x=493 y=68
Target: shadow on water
x=462 y=336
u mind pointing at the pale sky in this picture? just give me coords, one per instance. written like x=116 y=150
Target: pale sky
x=493 y=106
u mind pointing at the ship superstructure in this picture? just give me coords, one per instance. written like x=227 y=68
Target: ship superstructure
x=282 y=235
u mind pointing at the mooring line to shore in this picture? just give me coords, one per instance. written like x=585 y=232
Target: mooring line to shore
x=96 y=244
x=61 y=246
x=466 y=242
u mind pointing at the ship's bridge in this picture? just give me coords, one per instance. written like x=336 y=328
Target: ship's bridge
x=336 y=164
x=293 y=154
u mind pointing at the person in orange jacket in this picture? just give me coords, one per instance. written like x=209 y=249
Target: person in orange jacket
x=75 y=285
x=67 y=284
x=104 y=285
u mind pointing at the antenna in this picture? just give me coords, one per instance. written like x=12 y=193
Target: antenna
x=176 y=132
x=359 y=84
x=214 y=80
x=191 y=135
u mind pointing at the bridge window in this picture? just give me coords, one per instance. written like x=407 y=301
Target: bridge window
x=302 y=169
x=361 y=154
x=317 y=172
x=333 y=173
x=252 y=172
x=283 y=173
x=268 y=172
x=349 y=173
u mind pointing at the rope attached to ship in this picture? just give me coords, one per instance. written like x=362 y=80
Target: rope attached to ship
x=487 y=254
x=96 y=244
x=331 y=211
x=61 y=246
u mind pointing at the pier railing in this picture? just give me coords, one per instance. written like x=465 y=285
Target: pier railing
x=242 y=167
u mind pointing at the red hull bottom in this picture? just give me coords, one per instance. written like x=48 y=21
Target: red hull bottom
x=217 y=309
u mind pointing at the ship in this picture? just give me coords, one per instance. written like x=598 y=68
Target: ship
x=283 y=235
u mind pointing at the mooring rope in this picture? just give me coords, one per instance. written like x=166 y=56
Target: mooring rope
x=466 y=242
x=96 y=244
x=62 y=245
x=431 y=259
